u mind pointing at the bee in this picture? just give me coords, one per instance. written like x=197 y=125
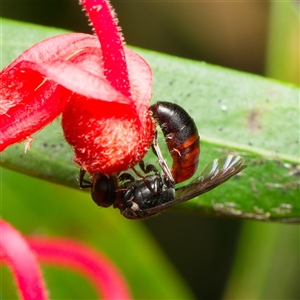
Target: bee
x=149 y=194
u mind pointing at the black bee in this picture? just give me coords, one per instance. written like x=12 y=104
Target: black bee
x=150 y=194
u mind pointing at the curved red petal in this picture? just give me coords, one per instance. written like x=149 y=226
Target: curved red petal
x=111 y=137
x=28 y=103
x=57 y=47
x=78 y=80
x=16 y=252
x=140 y=76
x=107 y=279
x=105 y=26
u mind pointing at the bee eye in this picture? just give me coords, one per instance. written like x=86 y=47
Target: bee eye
x=104 y=190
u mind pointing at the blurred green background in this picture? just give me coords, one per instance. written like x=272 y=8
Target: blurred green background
x=210 y=258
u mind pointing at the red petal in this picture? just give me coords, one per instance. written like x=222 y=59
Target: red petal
x=57 y=47
x=28 y=100
x=28 y=103
x=16 y=252
x=111 y=137
x=78 y=80
x=107 y=279
x=105 y=25
x=140 y=76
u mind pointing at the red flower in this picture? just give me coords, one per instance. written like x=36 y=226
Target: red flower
x=103 y=90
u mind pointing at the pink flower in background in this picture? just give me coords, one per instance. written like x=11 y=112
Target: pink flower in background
x=23 y=254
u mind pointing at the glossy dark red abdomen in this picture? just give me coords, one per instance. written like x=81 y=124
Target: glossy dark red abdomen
x=181 y=136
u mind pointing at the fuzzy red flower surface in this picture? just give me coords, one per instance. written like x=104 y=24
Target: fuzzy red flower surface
x=102 y=89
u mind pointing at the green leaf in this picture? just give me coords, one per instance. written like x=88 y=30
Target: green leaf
x=237 y=113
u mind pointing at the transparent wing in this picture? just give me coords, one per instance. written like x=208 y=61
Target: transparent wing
x=215 y=173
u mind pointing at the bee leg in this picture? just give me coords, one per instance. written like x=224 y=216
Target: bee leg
x=161 y=161
x=83 y=183
x=148 y=168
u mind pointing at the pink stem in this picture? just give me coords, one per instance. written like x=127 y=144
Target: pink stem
x=105 y=24
x=107 y=280
x=15 y=250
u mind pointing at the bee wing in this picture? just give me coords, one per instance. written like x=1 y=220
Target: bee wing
x=215 y=173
